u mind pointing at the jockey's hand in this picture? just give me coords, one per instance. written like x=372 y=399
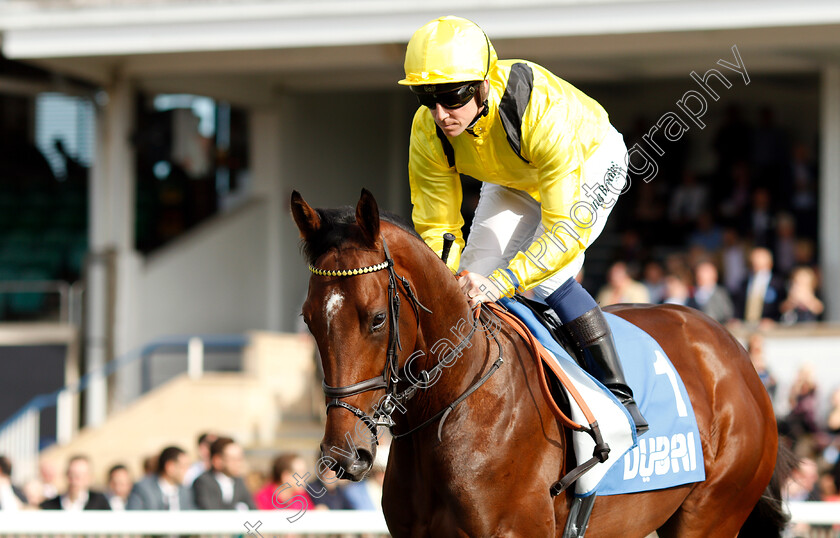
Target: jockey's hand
x=477 y=288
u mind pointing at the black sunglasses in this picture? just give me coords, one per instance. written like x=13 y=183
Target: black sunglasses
x=448 y=95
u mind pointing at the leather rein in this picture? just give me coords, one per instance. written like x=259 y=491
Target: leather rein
x=391 y=376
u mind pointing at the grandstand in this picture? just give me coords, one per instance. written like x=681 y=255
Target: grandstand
x=147 y=152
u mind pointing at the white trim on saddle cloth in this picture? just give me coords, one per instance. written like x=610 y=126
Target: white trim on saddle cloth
x=669 y=454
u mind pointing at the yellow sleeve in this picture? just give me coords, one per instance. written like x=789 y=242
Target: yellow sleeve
x=435 y=189
x=552 y=145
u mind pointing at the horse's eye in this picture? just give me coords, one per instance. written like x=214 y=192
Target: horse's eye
x=378 y=321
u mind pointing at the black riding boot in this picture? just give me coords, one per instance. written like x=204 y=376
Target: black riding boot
x=594 y=339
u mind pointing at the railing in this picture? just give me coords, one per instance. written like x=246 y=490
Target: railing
x=20 y=435
x=266 y=524
x=69 y=295
x=250 y=523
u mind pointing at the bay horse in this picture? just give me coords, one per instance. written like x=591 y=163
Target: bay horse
x=484 y=466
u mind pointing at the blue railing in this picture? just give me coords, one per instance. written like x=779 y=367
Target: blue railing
x=20 y=433
x=212 y=343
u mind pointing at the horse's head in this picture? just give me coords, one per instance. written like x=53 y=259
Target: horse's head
x=350 y=311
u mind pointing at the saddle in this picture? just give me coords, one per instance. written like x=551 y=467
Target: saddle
x=548 y=369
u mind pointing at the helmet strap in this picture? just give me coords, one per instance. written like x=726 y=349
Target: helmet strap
x=483 y=109
x=481 y=113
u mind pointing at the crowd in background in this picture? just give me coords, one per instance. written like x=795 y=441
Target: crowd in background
x=739 y=242
x=218 y=480
x=741 y=245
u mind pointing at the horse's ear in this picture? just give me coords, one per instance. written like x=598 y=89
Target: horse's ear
x=367 y=216
x=306 y=218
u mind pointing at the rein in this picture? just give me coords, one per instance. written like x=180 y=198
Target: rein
x=391 y=375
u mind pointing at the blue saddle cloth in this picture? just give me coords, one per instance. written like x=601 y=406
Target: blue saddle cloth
x=669 y=454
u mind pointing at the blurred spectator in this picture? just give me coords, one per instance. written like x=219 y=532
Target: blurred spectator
x=801 y=304
x=648 y=209
x=784 y=249
x=283 y=485
x=688 y=201
x=802 y=484
x=761 y=219
x=802 y=419
x=335 y=497
x=150 y=465
x=34 y=492
x=828 y=489
x=695 y=255
x=631 y=249
x=803 y=203
x=804 y=253
x=79 y=496
x=734 y=206
x=621 y=288
x=833 y=420
x=734 y=140
x=654 y=281
x=676 y=291
x=770 y=151
x=707 y=233
x=761 y=294
x=119 y=486
x=835 y=474
x=677 y=264
x=709 y=297
x=367 y=494
x=734 y=261
x=166 y=489
x=755 y=347
x=49 y=473
x=203 y=464
x=11 y=497
x=222 y=487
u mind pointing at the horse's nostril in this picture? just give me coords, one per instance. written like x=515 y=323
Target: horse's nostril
x=365 y=458
x=358 y=468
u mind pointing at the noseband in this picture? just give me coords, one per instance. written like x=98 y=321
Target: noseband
x=391 y=377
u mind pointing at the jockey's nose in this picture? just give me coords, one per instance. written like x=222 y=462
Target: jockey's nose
x=441 y=112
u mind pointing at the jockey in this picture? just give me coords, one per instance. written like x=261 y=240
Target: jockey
x=552 y=168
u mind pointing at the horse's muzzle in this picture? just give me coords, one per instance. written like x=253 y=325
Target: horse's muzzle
x=350 y=465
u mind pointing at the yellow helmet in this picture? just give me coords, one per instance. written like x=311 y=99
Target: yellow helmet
x=448 y=50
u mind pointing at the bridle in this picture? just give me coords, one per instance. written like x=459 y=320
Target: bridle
x=391 y=375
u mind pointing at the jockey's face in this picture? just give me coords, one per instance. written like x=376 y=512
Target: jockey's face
x=453 y=121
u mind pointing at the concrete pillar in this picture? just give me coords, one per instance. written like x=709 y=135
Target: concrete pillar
x=113 y=263
x=399 y=199
x=830 y=189
x=264 y=143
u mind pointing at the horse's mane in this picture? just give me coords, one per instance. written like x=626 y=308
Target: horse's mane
x=339 y=225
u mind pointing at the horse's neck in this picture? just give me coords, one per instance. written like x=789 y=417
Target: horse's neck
x=451 y=333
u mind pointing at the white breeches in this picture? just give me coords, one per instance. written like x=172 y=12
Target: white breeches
x=508 y=220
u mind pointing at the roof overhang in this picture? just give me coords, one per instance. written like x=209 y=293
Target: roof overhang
x=252 y=50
